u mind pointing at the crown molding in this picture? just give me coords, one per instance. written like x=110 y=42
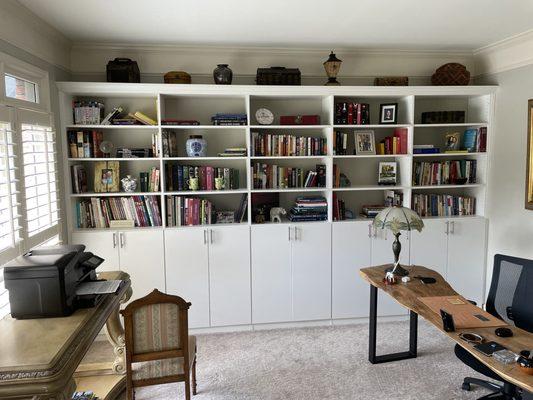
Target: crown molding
x=25 y=30
x=504 y=55
x=88 y=58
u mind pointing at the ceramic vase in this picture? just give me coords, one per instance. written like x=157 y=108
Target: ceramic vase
x=223 y=75
x=196 y=146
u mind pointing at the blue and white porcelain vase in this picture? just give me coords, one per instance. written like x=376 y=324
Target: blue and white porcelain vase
x=196 y=146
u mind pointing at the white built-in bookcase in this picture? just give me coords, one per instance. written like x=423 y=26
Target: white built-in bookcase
x=200 y=102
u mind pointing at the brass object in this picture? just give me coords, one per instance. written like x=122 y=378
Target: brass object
x=529 y=162
x=177 y=77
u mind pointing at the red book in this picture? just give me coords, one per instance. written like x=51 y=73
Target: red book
x=350 y=114
x=210 y=178
x=401 y=134
x=335 y=208
x=358 y=113
x=196 y=212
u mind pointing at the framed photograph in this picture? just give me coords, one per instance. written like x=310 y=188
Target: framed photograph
x=388 y=113
x=529 y=161
x=106 y=176
x=364 y=142
x=453 y=141
x=387 y=173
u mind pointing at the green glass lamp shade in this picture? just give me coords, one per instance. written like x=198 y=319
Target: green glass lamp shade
x=398 y=219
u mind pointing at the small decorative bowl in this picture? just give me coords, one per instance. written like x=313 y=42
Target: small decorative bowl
x=461 y=181
x=525 y=363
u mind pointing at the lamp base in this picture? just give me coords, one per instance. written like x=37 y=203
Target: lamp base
x=397 y=270
x=332 y=82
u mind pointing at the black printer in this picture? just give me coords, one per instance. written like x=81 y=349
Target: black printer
x=42 y=283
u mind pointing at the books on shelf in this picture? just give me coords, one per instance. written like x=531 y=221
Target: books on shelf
x=233 y=152
x=449 y=172
x=170 y=147
x=267 y=144
x=149 y=181
x=443 y=205
x=177 y=177
x=79 y=179
x=339 y=208
x=425 y=149
x=267 y=176
x=112 y=115
x=229 y=119
x=371 y=210
x=184 y=122
x=85 y=143
x=97 y=212
x=340 y=143
x=475 y=140
x=87 y=112
x=348 y=113
x=395 y=144
x=309 y=208
x=124 y=152
x=142 y=118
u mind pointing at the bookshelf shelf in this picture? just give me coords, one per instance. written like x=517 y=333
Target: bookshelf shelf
x=451 y=154
x=204 y=192
x=373 y=126
x=432 y=187
x=288 y=157
x=138 y=159
x=369 y=187
x=115 y=194
x=464 y=124
x=348 y=156
x=214 y=127
x=290 y=127
x=204 y=158
x=290 y=190
x=121 y=127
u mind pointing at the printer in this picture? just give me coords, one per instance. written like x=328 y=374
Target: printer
x=42 y=283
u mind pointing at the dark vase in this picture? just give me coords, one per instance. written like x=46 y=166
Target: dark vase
x=223 y=75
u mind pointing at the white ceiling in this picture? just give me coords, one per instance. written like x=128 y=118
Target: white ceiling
x=383 y=24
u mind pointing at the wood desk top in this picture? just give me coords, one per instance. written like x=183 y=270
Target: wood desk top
x=407 y=295
x=48 y=349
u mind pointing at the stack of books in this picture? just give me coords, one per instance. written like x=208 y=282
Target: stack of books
x=443 y=205
x=233 y=152
x=124 y=152
x=425 y=149
x=395 y=144
x=99 y=212
x=170 y=147
x=266 y=145
x=149 y=181
x=177 y=177
x=85 y=144
x=189 y=211
x=79 y=179
x=267 y=176
x=370 y=211
x=339 y=209
x=450 y=172
x=229 y=119
x=347 y=113
x=88 y=112
x=340 y=143
x=309 y=208
x=475 y=140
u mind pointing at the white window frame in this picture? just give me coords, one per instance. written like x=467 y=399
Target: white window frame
x=12 y=66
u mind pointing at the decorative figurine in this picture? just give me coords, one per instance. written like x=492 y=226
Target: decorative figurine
x=223 y=75
x=276 y=213
x=129 y=184
x=332 y=66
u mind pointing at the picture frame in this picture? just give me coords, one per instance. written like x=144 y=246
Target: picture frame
x=364 y=142
x=388 y=113
x=529 y=160
x=106 y=176
x=387 y=173
x=452 y=141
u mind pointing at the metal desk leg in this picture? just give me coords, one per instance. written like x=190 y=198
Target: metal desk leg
x=413 y=334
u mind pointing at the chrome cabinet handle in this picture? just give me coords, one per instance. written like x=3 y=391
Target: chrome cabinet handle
x=296 y=233
x=114 y=240
x=289 y=233
x=122 y=241
x=205 y=236
x=369 y=230
x=447 y=228
x=452 y=231
x=211 y=236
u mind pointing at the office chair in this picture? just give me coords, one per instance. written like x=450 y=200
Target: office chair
x=510 y=298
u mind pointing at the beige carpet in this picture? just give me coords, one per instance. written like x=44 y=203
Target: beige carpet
x=321 y=363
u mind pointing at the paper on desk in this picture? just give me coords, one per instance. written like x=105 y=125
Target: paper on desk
x=98 y=287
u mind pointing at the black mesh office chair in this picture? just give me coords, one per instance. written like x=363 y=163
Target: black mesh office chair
x=510 y=299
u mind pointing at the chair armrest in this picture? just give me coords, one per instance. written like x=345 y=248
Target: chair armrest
x=472 y=302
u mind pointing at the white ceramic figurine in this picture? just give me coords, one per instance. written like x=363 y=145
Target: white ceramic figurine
x=276 y=213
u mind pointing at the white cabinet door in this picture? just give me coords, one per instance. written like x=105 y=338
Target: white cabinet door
x=382 y=254
x=466 y=257
x=429 y=248
x=186 y=255
x=102 y=243
x=229 y=275
x=142 y=257
x=271 y=273
x=311 y=271
x=350 y=252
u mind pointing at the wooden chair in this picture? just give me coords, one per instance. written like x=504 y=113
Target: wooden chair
x=158 y=346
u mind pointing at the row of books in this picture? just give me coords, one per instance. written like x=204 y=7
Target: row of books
x=339 y=209
x=87 y=112
x=371 y=210
x=450 y=172
x=347 y=113
x=395 y=144
x=117 y=116
x=309 y=208
x=340 y=143
x=443 y=205
x=475 y=140
x=78 y=174
x=264 y=144
x=169 y=140
x=99 y=212
x=229 y=119
x=178 y=176
x=150 y=181
x=85 y=143
x=267 y=176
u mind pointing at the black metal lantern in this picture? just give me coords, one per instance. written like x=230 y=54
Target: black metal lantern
x=332 y=66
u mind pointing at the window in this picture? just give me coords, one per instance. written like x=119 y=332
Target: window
x=20 y=89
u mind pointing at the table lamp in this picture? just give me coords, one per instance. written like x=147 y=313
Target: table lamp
x=398 y=219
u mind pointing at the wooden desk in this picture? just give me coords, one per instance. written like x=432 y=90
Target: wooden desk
x=38 y=357
x=407 y=295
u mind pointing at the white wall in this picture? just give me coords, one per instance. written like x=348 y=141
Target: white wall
x=511 y=225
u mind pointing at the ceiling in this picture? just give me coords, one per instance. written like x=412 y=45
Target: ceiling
x=377 y=24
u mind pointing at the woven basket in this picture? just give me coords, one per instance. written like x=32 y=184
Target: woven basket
x=451 y=74
x=177 y=77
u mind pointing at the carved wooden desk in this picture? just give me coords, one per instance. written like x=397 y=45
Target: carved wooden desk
x=38 y=357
